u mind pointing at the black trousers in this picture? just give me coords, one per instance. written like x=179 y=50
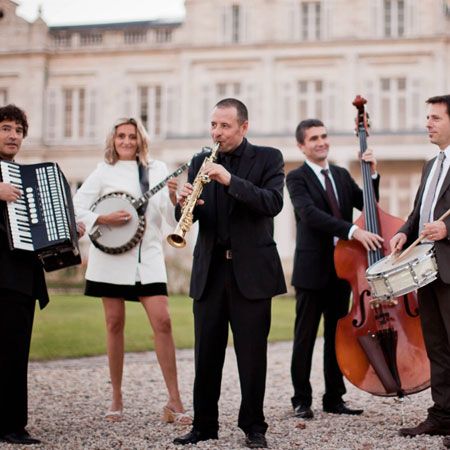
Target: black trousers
x=332 y=302
x=434 y=305
x=16 y=323
x=222 y=305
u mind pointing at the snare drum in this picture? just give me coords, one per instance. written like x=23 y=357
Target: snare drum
x=389 y=278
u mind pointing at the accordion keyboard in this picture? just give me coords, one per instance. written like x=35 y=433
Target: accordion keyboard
x=17 y=211
x=39 y=218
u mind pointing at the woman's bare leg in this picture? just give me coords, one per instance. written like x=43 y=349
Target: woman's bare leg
x=157 y=311
x=115 y=322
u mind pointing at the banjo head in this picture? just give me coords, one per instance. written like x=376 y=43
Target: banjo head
x=117 y=239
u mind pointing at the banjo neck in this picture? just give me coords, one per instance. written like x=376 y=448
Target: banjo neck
x=144 y=198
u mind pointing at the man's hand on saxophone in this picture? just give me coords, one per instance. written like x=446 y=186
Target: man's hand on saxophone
x=185 y=191
x=217 y=173
x=189 y=198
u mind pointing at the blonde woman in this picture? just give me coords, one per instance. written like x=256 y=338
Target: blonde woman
x=138 y=274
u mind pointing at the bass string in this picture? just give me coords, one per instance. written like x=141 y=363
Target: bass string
x=370 y=211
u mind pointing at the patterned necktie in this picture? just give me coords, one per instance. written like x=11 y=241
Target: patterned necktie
x=428 y=201
x=332 y=200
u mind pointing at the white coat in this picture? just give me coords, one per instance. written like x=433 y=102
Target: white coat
x=144 y=262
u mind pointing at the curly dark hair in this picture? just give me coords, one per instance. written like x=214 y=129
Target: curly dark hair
x=15 y=114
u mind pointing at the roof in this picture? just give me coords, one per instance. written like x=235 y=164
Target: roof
x=117 y=25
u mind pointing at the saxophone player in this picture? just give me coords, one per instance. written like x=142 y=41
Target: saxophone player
x=236 y=270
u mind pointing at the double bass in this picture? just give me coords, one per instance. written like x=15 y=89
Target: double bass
x=379 y=345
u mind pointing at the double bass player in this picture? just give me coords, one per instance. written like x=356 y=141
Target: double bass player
x=323 y=196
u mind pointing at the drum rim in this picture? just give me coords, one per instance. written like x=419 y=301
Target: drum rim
x=431 y=252
x=384 y=276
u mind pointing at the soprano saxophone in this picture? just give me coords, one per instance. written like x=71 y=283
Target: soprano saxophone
x=176 y=239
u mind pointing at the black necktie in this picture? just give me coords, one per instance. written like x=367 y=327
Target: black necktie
x=332 y=200
x=225 y=160
x=223 y=204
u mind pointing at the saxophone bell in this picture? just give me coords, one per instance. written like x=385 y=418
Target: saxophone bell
x=176 y=239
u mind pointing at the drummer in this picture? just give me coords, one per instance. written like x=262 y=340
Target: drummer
x=432 y=200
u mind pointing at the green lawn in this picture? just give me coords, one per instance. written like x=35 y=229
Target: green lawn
x=73 y=325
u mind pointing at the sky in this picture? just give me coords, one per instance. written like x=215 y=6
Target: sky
x=66 y=12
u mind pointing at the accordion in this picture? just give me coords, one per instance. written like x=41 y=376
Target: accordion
x=43 y=219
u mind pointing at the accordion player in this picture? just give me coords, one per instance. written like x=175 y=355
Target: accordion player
x=43 y=219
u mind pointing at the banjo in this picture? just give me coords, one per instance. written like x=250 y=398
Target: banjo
x=119 y=239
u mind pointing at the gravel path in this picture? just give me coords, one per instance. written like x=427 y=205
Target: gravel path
x=69 y=397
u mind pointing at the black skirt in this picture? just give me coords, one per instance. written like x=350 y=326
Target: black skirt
x=125 y=291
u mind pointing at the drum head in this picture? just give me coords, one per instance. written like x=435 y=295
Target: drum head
x=389 y=263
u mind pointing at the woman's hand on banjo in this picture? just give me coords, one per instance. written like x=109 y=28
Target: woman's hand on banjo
x=116 y=218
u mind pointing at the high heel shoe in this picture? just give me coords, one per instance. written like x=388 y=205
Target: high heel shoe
x=114 y=416
x=171 y=416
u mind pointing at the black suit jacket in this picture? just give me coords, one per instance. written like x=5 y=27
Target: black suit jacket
x=316 y=226
x=20 y=271
x=411 y=226
x=256 y=192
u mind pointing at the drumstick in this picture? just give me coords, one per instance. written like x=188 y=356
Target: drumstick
x=420 y=239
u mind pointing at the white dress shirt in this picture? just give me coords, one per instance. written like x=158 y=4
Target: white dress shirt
x=445 y=167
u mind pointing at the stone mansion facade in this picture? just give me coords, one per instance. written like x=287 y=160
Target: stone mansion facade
x=286 y=59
